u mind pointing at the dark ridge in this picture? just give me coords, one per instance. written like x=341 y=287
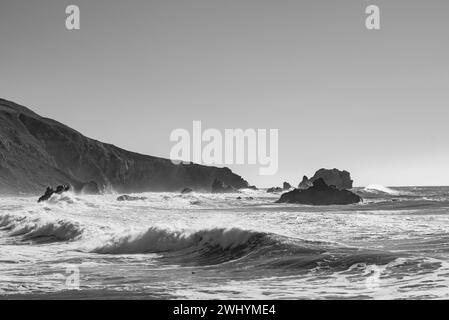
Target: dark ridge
x=36 y=152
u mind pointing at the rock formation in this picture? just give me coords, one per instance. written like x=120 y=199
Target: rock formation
x=126 y=197
x=286 y=186
x=274 y=190
x=50 y=191
x=320 y=194
x=305 y=183
x=36 y=152
x=333 y=177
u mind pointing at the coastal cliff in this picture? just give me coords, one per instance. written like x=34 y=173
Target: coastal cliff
x=36 y=152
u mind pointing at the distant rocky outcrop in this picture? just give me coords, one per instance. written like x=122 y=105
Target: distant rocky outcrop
x=126 y=197
x=286 y=186
x=320 y=194
x=50 y=191
x=333 y=177
x=36 y=152
x=274 y=190
x=219 y=186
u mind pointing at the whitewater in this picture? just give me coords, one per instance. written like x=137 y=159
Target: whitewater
x=394 y=245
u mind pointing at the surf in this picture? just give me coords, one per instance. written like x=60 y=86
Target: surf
x=259 y=250
x=40 y=229
x=377 y=188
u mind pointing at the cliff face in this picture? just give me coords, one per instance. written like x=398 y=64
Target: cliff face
x=36 y=152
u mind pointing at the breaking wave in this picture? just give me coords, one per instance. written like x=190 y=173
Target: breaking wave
x=259 y=249
x=377 y=188
x=40 y=230
x=156 y=240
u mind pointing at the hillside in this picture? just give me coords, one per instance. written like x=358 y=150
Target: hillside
x=36 y=152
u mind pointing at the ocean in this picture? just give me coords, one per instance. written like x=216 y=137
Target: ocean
x=394 y=245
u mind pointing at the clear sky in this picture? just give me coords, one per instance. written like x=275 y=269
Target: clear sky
x=372 y=102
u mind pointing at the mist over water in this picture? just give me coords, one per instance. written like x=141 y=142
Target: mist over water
x=393 y=245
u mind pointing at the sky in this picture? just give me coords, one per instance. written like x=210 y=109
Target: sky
x=373 y=102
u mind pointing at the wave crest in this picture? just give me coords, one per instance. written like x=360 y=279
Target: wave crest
x=39 y=229
x=377 y=188
x=256 y=249
x=155 y=240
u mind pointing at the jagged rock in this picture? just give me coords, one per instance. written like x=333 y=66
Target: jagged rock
x=286 y=186
x=334 y=177
x=50 y=191
x=219 y=186
x=126 y=197
x=305 y=183
x=186 y=191
x=253 y=188
x=274 y=190
x=320 y=194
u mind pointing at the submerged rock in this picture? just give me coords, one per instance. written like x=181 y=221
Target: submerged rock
x=186 y=191
x=126 y=197
x=50 y=191
x=246 y=198
x=320 y=194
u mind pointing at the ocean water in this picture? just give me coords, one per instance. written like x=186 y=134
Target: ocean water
x=394 y=245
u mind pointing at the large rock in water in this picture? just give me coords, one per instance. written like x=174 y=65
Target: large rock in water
x=50 y=191
x=36 y=152
x=333 y=177
x=320 y=194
